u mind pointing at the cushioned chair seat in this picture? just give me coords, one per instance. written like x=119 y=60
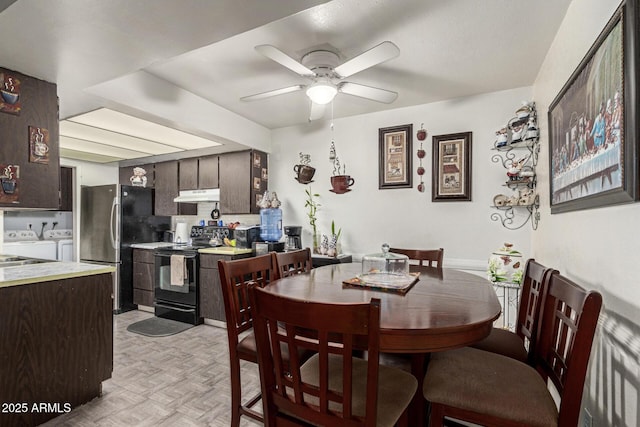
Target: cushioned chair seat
x=490 y=383
x=504 y=342
x=395 y=387
x=248 y=349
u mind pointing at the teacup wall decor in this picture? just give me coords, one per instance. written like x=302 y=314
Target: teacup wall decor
x=304 y=171
x=38 y=145
x=341 y=183
x=9 y=94
x=9 y=178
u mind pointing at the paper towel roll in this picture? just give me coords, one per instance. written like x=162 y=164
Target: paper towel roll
x=182 y=233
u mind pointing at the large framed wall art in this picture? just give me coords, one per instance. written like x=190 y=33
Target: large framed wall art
x=592 y=123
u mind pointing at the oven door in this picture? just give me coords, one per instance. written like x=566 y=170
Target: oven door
x=173 y=301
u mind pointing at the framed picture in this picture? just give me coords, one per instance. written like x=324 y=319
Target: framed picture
x=395 y=157
x=451 y=167
x=592 y=123
x=38 y=145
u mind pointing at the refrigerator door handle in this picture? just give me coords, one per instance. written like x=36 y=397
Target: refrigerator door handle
x=114 y=223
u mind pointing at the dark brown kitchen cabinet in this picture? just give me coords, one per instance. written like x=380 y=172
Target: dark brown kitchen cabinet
x=210 y=297
x=126 y=173
x=30 y=178
x=188 y=174
x=166 y=188
x=208 y=172
x=143 y=277
x=57 y=346
x=243 y=178
x=66 y=189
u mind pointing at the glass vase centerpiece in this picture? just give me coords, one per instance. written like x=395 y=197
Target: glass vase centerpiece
x=505 y=265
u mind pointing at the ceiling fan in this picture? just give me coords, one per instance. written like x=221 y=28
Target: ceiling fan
x=326 y=73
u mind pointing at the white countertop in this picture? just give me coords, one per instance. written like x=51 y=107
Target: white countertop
x=152 y=245
x=47 y=271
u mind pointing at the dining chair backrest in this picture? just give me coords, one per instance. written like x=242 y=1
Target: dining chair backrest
x=293 y=262
x=235 y=278
x=319 y=399
x=569 y=318
x=432 y=257
x=532 y=293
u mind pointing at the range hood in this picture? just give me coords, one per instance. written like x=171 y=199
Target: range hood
x=192 y=196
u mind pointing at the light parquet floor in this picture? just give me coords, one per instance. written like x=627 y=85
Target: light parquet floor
x=175 y=381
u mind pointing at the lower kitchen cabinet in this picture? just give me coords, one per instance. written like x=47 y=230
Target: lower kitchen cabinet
x=143 y=276
x=211 y=300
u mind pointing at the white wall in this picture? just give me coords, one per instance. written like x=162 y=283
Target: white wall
x=598 y=248
x=402 y=217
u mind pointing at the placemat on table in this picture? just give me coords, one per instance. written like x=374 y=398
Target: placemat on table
x=400 y=288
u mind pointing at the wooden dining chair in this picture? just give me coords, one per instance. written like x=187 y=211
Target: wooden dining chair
x=521 y=344
x=490 y=389
x=332 y=388
x=235 y=277
x=432 y=257
x=293 y=262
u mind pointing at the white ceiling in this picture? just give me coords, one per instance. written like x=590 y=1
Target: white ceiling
x=449 y=49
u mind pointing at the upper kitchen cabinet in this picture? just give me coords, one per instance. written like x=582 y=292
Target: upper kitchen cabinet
x=126 y=173
x=166 y=188
x=243 y=178
x=188 y=174
x=167 y=185
x=29 y=142
x=208 y=172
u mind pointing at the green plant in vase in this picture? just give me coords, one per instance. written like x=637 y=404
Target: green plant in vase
x=313 y=206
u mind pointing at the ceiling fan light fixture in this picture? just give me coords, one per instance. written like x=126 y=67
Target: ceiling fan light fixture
x=322 y=92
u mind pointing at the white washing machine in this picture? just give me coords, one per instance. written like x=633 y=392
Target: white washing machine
x=26 y=243
x=64 y=243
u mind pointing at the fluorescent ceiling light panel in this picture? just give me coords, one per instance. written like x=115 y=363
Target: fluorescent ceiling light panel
x=115 y=121
x=89 y=133
x=97 y=148
x=86 y=156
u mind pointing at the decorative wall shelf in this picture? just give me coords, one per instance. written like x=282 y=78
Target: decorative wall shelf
x=518 y=148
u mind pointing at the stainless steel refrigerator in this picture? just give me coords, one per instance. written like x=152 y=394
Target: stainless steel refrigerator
x=112 y=217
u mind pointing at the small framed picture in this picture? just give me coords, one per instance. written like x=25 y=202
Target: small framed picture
x=451 y=167
x=394 y=157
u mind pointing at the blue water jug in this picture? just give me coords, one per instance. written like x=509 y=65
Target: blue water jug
x=271 y=224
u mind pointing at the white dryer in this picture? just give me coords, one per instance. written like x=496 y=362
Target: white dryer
x=26 y=243
x=64 y=243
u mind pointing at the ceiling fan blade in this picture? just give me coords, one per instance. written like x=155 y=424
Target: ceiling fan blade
x=317 y=111
x=369 y=92
x=374 y=56
x=283 y=59
x=271 y=93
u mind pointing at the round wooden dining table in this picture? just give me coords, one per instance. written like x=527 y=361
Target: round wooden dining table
x=444 y=309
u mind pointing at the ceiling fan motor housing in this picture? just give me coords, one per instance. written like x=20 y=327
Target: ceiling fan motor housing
x=321 y=62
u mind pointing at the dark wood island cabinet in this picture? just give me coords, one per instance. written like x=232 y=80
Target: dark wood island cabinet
x=211 y=301
x=56 y=345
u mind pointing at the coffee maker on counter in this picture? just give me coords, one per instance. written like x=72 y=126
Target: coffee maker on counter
x=292 y=241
